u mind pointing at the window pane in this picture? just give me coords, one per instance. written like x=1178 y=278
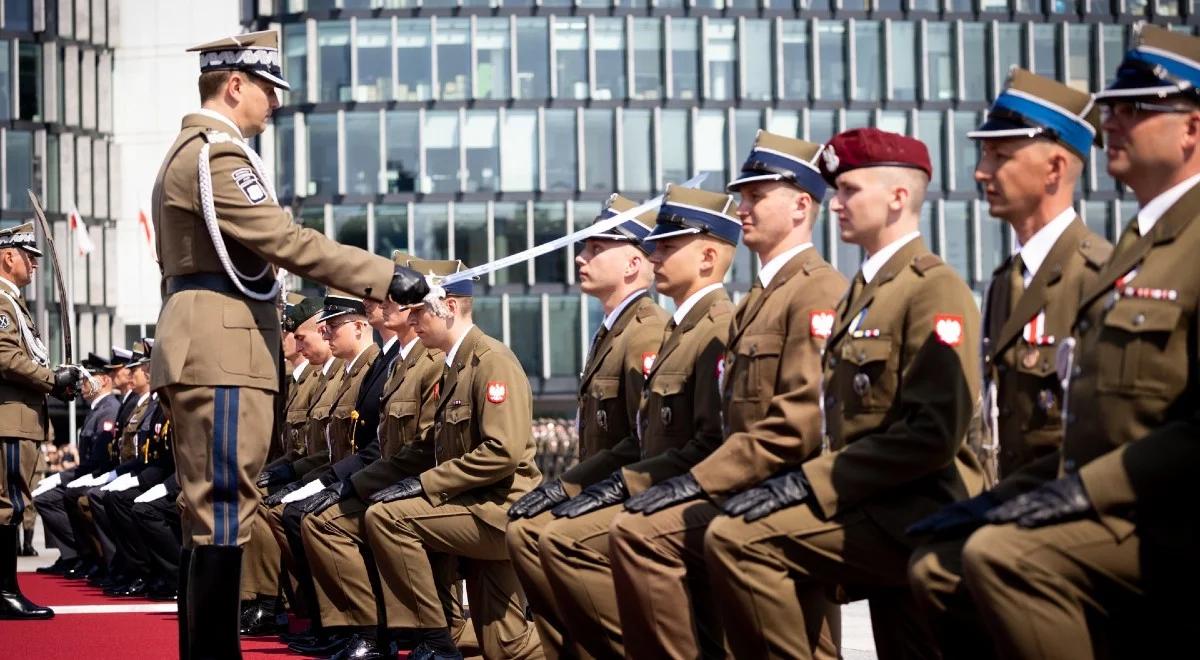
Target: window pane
x=1096 y=216
x=831 y=41
x=53 y=174
x=1045 y=50
x=637 y=138
x=598 y=136
x=18 y=15
x=350 y=225
x=822 y=125
x=956 y=220
x=894 y=121
x=1114 y=49
x=414 y=75
x=993 y=241
x=940 y=52
x=1079 y=63
x=1010 y=50
x=549 y=223
x=929 y=131
x=333 y=72
x=470 y=234
x=295 y=61
x=391 y=228
x=492 y=50
x=533 y=59
x=966 y=151
x=710 y=149
x=685 y=58
x=6 y=82
x=453 y=40
x=647 y=58
x=675 y=149
x=757 y=45
x=512 y=236
x=783 y=122
x=525 y=328
x=285 y=156
x=610 y=58
x=570 y=51
x=441 y=152
x=868 y=64
x=30 y=68
x=430 y=226
x=19 y=169
x=975 y=62
x=994 y=5
x=745 y=126
x=720 y=49
x=374 y=41
x=487 y=315
x=565 y=317
x=482 y=142
x=796 y=73
x=520 y=151
x=322 y=154
x=362 y=153
x=403 y=158
x=562 y=161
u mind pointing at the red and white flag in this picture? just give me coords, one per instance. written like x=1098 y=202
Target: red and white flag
x=147 y=229
x=83 y=240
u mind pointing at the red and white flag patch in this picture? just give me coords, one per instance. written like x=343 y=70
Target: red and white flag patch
x=648 y=363
x=497 y=392
x=948 y=328
x=108 y=426
x=820 y=323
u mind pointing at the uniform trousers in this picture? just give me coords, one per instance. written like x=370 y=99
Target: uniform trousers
x=118 y=507
x=158 y=525
x=284 y=523
x=935 y=574
x=18 y=463
x=524 y=538
x=773 y=578
x=401 y=535
x=51 y=507
x=89 y=542
x=96 y=520
x=260 y=560
x=221 y=437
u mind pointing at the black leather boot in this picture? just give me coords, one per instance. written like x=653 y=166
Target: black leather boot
x=214 y=602
x=14 y=605
x=263 y=616
x=181 y=609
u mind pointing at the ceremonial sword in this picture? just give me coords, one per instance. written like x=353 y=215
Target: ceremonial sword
x=65 y=311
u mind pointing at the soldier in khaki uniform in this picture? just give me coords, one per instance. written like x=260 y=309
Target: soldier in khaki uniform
x=614 y=269
x=25 y=380
x=1107 y=551
x=218 y=231
x=900 y=385
x=771 y=406
x=1034 y=145
x=679 y=419
x=483 y=448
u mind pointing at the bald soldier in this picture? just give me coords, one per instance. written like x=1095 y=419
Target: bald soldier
x=771 y=407
x=614 y=269
x=1034 y=144
x=901 y=385
x=679 y=419
x=219 y=232
x=25 y=380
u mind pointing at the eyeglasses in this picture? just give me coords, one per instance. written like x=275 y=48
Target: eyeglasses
x=331 y=327
x=1127 y=111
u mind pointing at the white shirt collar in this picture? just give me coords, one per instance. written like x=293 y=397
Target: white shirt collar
x=213 y=114
x=612 y=316
x=15 y=289
x=97 y=400
x=770 y=269
x=125 y=396
x=1034 y=253
x=142 y=398
x=682 y=311
x=387 y=345
x=1149 y=214
x=454 y=348
x=407 y=348
x=299 y=370
x=870 y=267
x=327 y=366
x=351 y=363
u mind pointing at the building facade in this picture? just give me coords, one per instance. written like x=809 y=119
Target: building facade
x=474 y=129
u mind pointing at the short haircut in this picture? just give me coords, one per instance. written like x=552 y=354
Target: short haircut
x=465 y=304
x=211 y=83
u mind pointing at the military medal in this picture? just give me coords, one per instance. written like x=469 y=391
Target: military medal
x=665 y=416
x=862 y=383
x=1046 y=400
x=602 y=419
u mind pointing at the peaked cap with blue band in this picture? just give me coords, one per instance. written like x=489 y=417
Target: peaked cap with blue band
x=634 y=230
x=1162 y=63
x=779 y=158
x=253 y=52
x=442 y=268
x=1034 y=106
x=22 y=236
x=694 y=211
x=338 y=303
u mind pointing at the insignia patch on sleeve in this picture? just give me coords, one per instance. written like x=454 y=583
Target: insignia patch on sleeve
x=251 y=187
x=497 y=392
x=948 y=328
x=108 y=426
x=4 y=322
x=820 y=323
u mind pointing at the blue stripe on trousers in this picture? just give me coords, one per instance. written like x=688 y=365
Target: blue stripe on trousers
x=225 y=466
x=13 y=450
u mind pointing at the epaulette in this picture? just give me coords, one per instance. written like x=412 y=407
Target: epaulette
x=216 y=137
x=926 y=262
x=1095 y=252
x=815 y=264
x=720 y=308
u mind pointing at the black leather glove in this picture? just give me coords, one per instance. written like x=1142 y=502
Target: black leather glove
x=408 y=488
x=276 y=498
x=66 y=382
x=960 y=517
x=607 y=491
x=333 y=493
x=276 y=474
x=1052 y=502
x=538 y=500
x=665 y=494
x=778 y=492
x=408 y=287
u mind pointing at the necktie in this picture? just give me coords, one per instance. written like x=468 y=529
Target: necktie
x=1129 y=237
x=856 y=288
x=1016 y=282
x=601 y=333
x=756 y=292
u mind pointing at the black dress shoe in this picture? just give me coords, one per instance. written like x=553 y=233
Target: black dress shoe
x=426 y=652
x=261 y=618
x=80 y=570
x=97 y=576
x=361 y=648
x=324 y=645
x=59 y=567
x=115 y=587
x=163 y=592
x=135 y=589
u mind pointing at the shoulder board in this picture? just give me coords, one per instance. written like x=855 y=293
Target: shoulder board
x=216 y=137
x=721 y=308
x=926 y=262
x=1096 y=251
x=646 y=308
x=815 y=264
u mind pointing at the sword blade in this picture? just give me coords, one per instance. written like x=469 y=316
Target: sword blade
x=65 y=308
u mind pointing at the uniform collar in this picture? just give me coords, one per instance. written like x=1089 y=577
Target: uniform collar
x=875 y=262
x=770 y=269
x=1149 y=214
x=611 y=318
x=327 y=366
x=216 y=116
x=15 y=289
x=96 y=401
x=142 y=399
x=407 y=348
x=1034 y=253
x=454 y=349
x=682 y=311
x=351 y=363
x=299 y=370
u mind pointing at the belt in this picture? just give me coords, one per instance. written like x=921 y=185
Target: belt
x=201 y=282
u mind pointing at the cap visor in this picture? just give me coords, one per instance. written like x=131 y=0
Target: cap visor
x=668 y=234
x=325 y=317
x=32 y=250
x=732 y=186
x=274 y=80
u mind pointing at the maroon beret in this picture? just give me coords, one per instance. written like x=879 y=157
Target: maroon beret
x=871 y=147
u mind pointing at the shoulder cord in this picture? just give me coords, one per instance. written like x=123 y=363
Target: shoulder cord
x=37 y=350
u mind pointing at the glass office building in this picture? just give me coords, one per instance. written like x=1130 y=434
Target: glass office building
x=473 y=129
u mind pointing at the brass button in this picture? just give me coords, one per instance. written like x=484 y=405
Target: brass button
x=1139 y=319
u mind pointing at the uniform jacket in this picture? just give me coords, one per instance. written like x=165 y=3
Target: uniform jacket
x=343 y=415
x=771 y=388
x=367 y=404
x=900 y=391
x=483 y=432
x=409 y=401
x=1029 y=394
x=24 y=383
x=299 y=400
x=317 y=453
x=129 y=431
x=97 y=432
x=610 y=388
x=1133 y=412
x=156 y=460
x=216 y=339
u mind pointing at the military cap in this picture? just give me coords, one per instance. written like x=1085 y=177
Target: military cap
x=94 y=362
x=297 y=312
x=1161 y=63
x=633 y=230
x=434 y=269
x=20 y=236
x=253 y=52
x=400 y=257
x=779 y=158
x=871 y=147
x=338 y=303
x=694 y=211
x=1033 y=106
x=120 y=357
x=141 y=353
